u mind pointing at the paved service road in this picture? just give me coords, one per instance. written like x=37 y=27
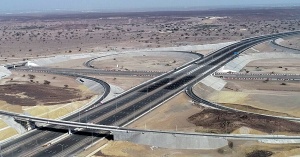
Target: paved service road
x=293 y=77
x=91 y=71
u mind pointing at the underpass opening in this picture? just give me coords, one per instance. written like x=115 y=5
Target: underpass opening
x=85 y=132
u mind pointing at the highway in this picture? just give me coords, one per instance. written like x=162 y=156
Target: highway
x=258 y=76
x=130 y=105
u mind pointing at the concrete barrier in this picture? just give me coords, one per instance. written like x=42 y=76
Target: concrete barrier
x=4 y=72
x=214 y=82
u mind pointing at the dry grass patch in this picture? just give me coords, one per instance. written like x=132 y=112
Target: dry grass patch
x=128 y=149
x=6 y=133
x=2 y=124
x=169 y=116
x=56 y=111
x=219 y=121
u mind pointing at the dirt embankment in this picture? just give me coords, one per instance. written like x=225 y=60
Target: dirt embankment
x=259 y=153
x=291 y=42
x=226 y=122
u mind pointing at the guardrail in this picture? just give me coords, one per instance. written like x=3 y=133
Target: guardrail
x=13 y=65
x=249 y=74
x=258 y=76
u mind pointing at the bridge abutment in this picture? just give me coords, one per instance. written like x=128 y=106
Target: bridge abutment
x=169 y=140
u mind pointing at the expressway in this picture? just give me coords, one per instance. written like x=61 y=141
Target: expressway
x=258 y=76
x=137 y=101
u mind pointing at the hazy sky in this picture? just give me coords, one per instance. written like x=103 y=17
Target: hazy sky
x=129 y=5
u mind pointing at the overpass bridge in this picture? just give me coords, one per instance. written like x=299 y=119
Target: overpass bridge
x=107 y=129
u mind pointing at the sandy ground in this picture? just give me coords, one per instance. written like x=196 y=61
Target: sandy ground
x=2 y=124
x=140 y=63
x=6 y=131
x=281 y=66
x=263 y=47
x=291 y=42
x=56 y=80
x=268 y=98
x=39 y=35
x=204 y=52
x=254 y=149
x=55 y=110
x=173 y=114
x=238 y=149
x=218 y=121
x=127 y=149
x=123 y=82
x=71 y=64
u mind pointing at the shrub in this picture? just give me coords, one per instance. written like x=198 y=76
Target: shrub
x=31 y=76
x=46 y=82
x=230 y=144
x=221 y=151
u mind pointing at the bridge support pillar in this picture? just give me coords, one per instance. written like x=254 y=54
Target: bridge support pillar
x=69 y=131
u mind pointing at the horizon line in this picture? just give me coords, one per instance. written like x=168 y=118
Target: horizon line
x=137 y=10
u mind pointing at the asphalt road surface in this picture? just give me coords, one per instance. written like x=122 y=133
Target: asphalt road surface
x=90 y=71
x=258 y=76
